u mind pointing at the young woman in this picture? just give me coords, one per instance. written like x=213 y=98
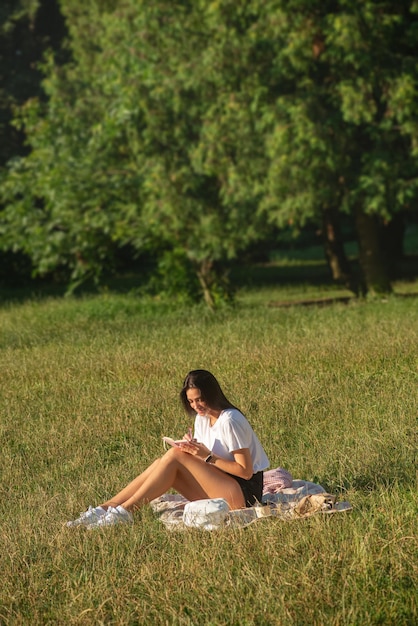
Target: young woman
x=224 y=459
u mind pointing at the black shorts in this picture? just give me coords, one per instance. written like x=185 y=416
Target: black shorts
x=252 y=488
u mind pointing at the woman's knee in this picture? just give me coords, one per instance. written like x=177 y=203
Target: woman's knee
x=172 y=455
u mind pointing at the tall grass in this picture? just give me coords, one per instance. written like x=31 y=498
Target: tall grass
x=89 y=386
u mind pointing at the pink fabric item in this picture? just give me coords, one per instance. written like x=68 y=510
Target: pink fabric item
x=276 y=479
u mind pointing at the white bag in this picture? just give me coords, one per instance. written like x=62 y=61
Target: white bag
x=207 y=514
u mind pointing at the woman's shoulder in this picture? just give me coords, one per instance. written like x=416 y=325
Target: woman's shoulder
x=232 y=413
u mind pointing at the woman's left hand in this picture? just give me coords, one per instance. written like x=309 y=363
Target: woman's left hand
x=195 y=448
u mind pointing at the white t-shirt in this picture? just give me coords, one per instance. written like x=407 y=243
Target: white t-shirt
x=230 y=432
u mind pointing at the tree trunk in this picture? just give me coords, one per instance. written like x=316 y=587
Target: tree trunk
x=213 y=279
x=205 y=274
x=334 y=250
x=373 y=263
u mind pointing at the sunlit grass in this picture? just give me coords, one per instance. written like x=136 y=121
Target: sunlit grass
x=90 y=385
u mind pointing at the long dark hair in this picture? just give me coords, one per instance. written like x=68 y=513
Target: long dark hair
x=210 y=391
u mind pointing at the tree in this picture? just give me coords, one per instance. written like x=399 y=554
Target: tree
x=378 y=97
x=116 y=153
x=344 y=129
x=62 y=199
x=27 y=29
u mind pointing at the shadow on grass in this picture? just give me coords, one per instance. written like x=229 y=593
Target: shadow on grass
x=44 y=289
x=381 y=475
x=252 y=276
x=286 y=272
x=279 y=274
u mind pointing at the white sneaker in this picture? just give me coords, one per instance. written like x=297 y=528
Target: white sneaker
x=114 y=516
x=92 y=515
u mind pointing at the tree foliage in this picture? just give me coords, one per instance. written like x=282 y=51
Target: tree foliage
x=27 y=28
x=186 y=128
x=342 y=135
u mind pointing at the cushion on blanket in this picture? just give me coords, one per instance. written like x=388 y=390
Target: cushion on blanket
x=276 y=479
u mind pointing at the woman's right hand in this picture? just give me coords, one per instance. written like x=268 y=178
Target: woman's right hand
x=189 y=436
x=195 y=448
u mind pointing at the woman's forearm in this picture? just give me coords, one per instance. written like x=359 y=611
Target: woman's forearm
x=231 y=467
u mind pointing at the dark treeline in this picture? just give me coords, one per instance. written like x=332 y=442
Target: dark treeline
x=189 y=134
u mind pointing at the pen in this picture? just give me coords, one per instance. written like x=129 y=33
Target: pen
x=190 y=432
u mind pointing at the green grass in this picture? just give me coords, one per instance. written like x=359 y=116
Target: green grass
x=90 y=385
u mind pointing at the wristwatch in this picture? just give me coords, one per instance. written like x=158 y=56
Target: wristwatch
x=209 y=458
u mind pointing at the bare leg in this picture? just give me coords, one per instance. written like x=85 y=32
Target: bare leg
x=186 y=474
x=130 y=489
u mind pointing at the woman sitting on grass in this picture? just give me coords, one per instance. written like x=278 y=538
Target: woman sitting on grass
x=224 y=459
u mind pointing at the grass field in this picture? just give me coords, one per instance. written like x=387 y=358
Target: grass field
x=90 y=385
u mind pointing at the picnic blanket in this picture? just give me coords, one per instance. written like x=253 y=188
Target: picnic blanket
x=299 y=499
